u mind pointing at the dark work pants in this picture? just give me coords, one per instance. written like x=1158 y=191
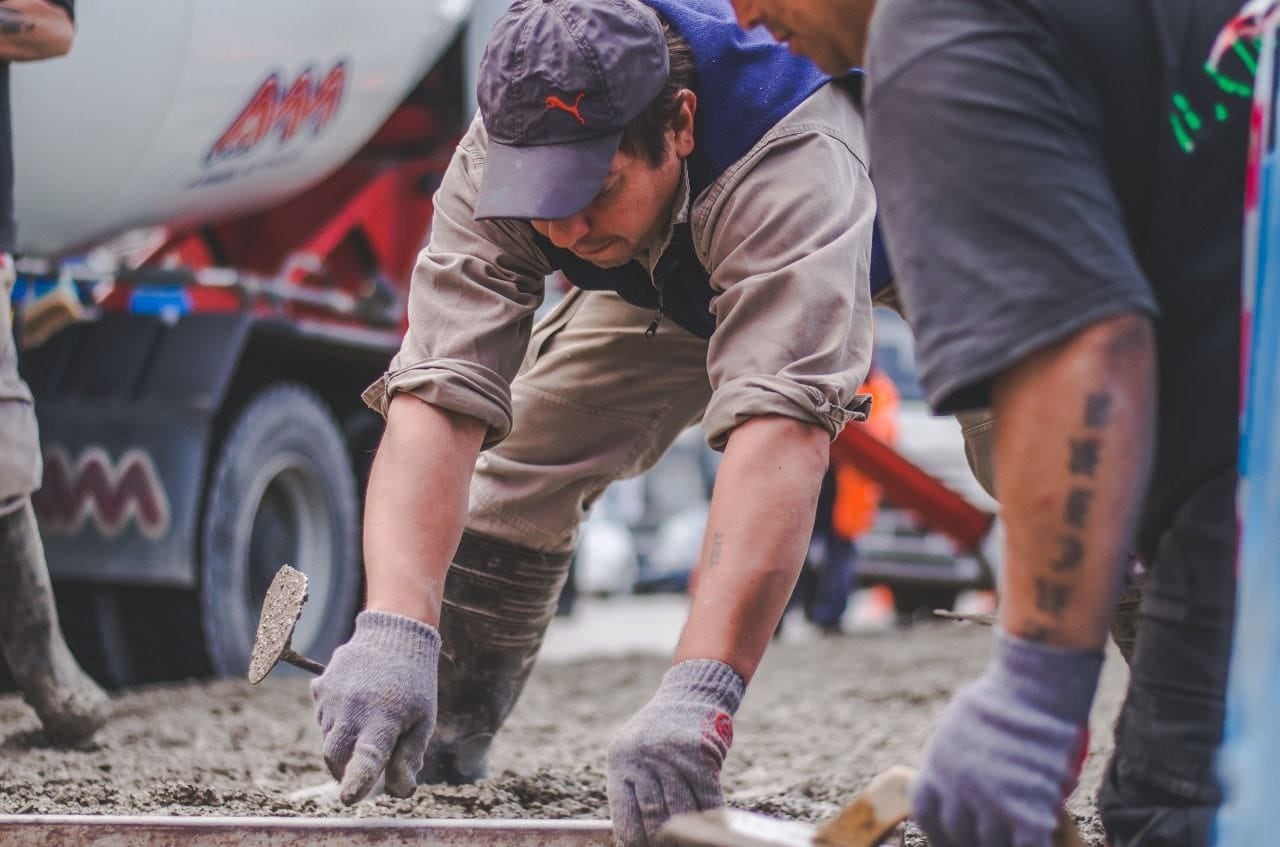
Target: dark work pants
x=1161 y=787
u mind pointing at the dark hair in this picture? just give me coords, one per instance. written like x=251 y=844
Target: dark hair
x=645 y=135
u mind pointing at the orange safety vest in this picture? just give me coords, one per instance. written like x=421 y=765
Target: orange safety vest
x=858 y=498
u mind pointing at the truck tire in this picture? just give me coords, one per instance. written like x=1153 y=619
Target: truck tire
x=95 y=627
x=282 y=491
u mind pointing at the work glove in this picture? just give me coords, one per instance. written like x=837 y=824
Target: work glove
x=667 y=758
x=376 y=704
x=1008 y=748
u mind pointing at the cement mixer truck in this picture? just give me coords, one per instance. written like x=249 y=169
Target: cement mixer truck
x=228 y=197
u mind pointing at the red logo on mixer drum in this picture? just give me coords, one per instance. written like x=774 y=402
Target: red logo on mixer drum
x=280 y=111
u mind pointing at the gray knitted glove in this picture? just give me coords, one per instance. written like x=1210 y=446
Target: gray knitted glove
x=376 y=704
x=1008 y=748
x=667 y=758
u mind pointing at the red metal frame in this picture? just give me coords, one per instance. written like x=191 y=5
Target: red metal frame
x=908 y=486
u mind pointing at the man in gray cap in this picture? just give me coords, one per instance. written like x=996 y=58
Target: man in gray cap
x=706 y=194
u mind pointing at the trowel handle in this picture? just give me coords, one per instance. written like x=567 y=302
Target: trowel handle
x=300 y=661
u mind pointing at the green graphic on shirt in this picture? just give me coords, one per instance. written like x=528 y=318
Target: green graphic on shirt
x=1234 y=83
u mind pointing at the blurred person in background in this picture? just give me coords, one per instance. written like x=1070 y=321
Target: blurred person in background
x=847 y=507
x=70 y=706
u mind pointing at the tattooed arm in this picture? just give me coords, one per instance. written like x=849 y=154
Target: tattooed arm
x=1074 y=436
x=33 y=29
x=757 y=532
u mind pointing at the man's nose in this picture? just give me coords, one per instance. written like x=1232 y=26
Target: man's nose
x=566 y=232
x=748 y=14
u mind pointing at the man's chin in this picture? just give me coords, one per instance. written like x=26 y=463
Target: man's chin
x=606 y=258
x=829 y=61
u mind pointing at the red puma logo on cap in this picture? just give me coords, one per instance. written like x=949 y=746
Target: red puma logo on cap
x=554 y=102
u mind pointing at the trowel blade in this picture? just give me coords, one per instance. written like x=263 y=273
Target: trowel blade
x=736 y=828
x=281 y=608
x=865 y=822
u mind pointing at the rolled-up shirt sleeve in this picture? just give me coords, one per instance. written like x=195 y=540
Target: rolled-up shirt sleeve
x=471 y=303
x=789 y=244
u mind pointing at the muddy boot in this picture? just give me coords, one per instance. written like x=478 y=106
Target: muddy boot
x=498 y=600
x=70 y=705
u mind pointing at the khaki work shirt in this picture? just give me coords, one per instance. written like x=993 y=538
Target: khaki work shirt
x=784 y=232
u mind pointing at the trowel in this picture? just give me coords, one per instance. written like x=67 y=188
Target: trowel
x=866 y=822
x=281 y=608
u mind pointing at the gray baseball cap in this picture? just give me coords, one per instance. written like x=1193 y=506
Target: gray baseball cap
x=559 y=81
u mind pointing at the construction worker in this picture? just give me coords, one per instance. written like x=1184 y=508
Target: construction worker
x=70 y=706
x=1061 y=186
x=679 y=173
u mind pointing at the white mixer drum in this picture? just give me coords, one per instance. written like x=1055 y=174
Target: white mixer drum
x=177 y=111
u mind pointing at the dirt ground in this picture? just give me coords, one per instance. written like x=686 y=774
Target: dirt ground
x=822 y=717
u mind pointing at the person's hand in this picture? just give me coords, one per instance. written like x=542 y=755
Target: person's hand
x=667 y=758
x=1008 y=749
x=376 y=704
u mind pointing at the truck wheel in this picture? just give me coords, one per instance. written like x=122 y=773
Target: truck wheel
x=918 y=602
x=282 y=492
x=94 y=629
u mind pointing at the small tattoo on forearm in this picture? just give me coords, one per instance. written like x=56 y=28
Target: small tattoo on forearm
x=1084 y=456
x=1078 y=502
x=1052 y=597
x=717 y=543
x=15 y=23
x=1097 y=409
x=1071 y=555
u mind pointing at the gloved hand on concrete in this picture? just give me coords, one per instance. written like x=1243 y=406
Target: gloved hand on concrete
x=1008 y=749
x=376 y=704
x=667 y=758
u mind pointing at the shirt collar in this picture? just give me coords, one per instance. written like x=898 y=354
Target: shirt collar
x=680 y=207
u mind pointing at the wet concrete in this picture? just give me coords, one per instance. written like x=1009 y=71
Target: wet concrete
x=823 y=716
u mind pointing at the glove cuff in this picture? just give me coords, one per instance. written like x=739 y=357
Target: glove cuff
x=705 y=680
x=1055 y=680
x=405 y=637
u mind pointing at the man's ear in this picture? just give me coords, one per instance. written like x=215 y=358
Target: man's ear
x=682 y=126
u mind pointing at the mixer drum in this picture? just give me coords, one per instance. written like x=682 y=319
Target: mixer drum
x=183 y=111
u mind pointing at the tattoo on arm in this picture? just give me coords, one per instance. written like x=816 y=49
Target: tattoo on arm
x=1097 y=409
x=14 y=23
x=1077 y=511
x=717 y=544
x=1072 y=554
x=1052 y=597
x=1083 y=457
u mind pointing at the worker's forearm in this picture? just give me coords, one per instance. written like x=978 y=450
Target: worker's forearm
x=416 y=505
x=757 y=534
x=1075 y=426
x=33 y=29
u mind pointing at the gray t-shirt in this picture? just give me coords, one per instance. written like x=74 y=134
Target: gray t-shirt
x=1045 y=164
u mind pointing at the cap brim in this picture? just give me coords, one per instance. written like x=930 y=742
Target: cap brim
x=546 y=182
